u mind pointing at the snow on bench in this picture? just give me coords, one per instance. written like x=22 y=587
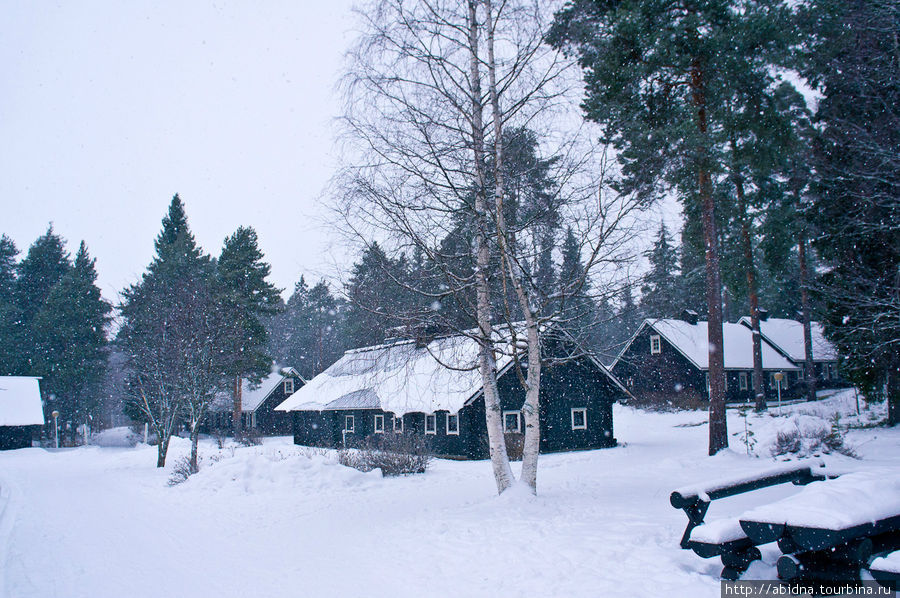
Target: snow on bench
x=725 y=537
x=826 y=515
x=886 y=569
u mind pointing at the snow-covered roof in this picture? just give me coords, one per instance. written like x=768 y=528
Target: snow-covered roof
x=787 y=335
x=692 y=341
x=253 y=395
x=400 y=378
x=20 y=401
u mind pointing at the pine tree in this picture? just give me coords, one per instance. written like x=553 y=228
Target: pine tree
x=12 y=332
x=853 y=58
x=69 y=335
x=578 y=312
x=659 y=291
x=660 y=77
x=246 y=297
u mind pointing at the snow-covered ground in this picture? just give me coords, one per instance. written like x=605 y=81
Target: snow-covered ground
x=278 y=520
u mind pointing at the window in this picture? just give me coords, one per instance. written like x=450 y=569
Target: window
x=655 y=344
x=398 y=424
x=742 y=381
x=379 y=424
x=579 y=419
x=833 y=369
x=453 y=423
x=289 y=386
x=431 y=424
x=512 y=422
x=348 y=423
x=707 y=383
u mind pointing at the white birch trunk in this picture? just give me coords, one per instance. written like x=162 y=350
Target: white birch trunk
x=507 y=243
x=487 y=365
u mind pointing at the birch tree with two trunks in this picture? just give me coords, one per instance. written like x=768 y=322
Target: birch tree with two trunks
x=431 y=89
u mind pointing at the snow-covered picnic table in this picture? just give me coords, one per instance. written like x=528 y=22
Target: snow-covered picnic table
x=830 y=527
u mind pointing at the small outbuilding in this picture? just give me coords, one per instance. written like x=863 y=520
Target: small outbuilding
x=21 y=411
x=433 y=388
x=667 y=362
x=258 y=402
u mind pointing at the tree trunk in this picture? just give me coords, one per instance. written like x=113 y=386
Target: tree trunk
x=809 y=367
x=718 y=428
x=892 y=392
x=759 y=393
x=487 y=364
x=195 y=440
x=507 y=243
x=161 y=449
x=236 y=421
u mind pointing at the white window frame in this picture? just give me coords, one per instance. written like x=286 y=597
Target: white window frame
x=398 y=429
x=379 y=429
x=708 y=389
x=518 y=429
x=449 y=431
x=655 y=344
x=583 y=411
x=742 y=381
x=289 y=386
x=351 y=421
x=433 y=423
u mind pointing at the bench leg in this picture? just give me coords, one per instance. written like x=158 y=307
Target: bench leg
x=695 y=514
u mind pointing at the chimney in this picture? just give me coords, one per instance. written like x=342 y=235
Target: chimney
x=689 y=316
x=763 y=314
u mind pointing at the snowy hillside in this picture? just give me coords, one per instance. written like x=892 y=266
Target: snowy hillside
x=282 y=521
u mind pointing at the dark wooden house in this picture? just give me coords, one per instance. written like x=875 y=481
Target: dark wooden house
x=786 y=336
x=433 y=389
x=258 y=402
x=21 y=411
x=666 y=362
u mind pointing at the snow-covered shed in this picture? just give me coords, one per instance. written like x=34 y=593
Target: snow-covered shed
x=786 y=336
x=21 y=411
x=258 y=402
x=434 y=388
x=668 y=360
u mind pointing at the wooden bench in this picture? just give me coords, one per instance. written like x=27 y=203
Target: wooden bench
x=886 y=569
x=726 y=538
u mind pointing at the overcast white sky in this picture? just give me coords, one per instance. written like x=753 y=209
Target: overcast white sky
x=110 y=108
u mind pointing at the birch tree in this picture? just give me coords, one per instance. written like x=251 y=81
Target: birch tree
x=431 y=88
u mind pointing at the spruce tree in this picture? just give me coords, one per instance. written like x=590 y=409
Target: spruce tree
x=377 y=300
x=659 y=291
x=12 y=331
x=69 y=335
x=170 y=334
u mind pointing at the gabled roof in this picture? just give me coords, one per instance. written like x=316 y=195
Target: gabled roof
x=401 y=378
x=20 y=401
x=787 y=337
x=692 y=341
x=252 y=396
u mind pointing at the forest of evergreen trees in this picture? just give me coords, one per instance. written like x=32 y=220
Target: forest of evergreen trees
x=789 y=204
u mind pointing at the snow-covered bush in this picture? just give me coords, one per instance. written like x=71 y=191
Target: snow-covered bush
x=393 y=454
x=181 y=471
x=804 y=435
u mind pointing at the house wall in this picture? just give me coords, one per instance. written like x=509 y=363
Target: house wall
x=275 y=423
x=16 y=437
x=668 y=377
x=567 y=386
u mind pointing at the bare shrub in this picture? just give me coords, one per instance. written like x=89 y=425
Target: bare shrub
x=250 y=437
x=220 y=436
x=393 y=454
x=787 y=443
x=181 y=471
